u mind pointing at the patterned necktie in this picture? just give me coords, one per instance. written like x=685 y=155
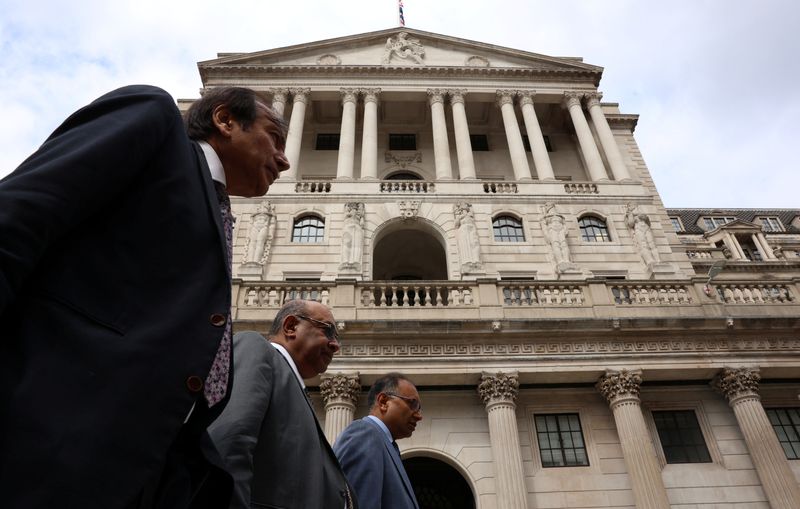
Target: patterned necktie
x=217 y=380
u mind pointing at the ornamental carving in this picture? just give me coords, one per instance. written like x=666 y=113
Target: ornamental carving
x=262 y=231
x=526 y=97
x=639 y=225
x=618 y=385
x=349 y=95
x=593 y=99
x=402 y=161
x=340 y=388
x=469 y=245
x=457 y=95
x=404 y=48
x=352 y=236
x=279 y=95
x=370 y=94
x=300 y=94
x=476 y=61
x=735 y=383
x=498 y=388
x=436 y=95
x=572 y=99
x=505 y=97
x=409 y=209
x=329 y=59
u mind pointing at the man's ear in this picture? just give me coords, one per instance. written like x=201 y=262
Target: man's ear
x=289 y=326
x=223 y=120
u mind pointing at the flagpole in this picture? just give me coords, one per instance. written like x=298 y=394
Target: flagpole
x=401 y=18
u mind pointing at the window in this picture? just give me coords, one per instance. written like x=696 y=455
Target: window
x=508 y=229
x=786 y=423
x=561 y=440
x=526 y=142
x=479 y=142
x=771 y=224
x=308 y=229
x=402 y=142
x=676 y=224
x=712 y=223
x=593 y=229
x=403 y=175
x=327 y=142
x=681 y=437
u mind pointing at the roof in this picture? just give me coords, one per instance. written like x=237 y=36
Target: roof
x=689 y=217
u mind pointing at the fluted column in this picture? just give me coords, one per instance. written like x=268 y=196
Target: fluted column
x=519 y=161
x=340 y=392
x=594 y=163
x=618 y=167
x=279 y=96
x=369 y=137
x=466 y=164
x=347 y=135
x=541 y=159
x=441 y=146
x=621 y=390
x=761 y=243
x=740 y=388
x=499 y=393
x=295 y=136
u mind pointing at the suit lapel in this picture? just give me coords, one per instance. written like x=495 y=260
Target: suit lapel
x=398 y=464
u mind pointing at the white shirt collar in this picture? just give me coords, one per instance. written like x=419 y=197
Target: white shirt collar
x=289 y=359
x=382 y=426
x=214 y=163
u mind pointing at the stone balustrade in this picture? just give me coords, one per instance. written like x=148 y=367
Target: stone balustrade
x=422 y=294
x=513 y=294
x=580 y=188
x=755 y=293
x=407 y=186
x=274 y=295
x=650 y=294
x=499 y=188
x=313 y=187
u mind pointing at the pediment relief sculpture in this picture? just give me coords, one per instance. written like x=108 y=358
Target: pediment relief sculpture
x=404 y=48
x=329 y=59
x=476 y=61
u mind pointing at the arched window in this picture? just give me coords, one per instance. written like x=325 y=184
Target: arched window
x=308 y=229
x=508 y=229
x=403 y=175
x=593 y=229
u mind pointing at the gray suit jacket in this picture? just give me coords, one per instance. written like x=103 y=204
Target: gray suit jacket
x=373 y=467
x=269 y=436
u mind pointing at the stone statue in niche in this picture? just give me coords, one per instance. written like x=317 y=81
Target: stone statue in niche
x=639 y=225
x=555 y=231
x=260 y=235
x=469 y=248
x=403 y=47
x=352 y=236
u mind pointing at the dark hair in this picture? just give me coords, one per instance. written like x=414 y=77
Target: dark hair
x=292 y=307
x=241 y=102
x=386 y=383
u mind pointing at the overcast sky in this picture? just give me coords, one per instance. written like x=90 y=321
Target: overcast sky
x=715 y=82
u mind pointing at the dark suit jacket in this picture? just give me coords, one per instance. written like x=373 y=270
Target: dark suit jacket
x=112 y=262
x=270 y=438
x=373 y=467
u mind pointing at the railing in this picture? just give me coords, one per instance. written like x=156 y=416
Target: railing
x=274 y=295
x=755 y=293
x=423 y=294
x=499 y=188
x=407 y=186
x=521 y=294
x=580 y=188
x=312 y=187
x=650 y=294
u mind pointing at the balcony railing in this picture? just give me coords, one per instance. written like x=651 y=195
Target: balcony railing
x=407 y=186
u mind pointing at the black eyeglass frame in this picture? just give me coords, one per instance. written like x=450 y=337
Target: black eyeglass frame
x=330 y=329
x=414 y=404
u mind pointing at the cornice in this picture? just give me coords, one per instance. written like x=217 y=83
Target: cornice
x=622 y=121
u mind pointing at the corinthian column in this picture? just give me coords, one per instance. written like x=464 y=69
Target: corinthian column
x=347 y=135
x=541 y=159
x=441 y=147
x=295 y=136
x=499 y=393
x=740 y=388
x=607 y=140
x=279 y=100
x=369 y=138
x=519 y=161
x=466 y=165
x=621 y=390
x=594 y=163
x=340 y=393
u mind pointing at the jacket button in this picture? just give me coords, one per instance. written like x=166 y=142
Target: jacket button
x=218 y=319
x=194 y=383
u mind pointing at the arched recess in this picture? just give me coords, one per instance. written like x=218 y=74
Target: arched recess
x=408 y=250
x=402 y=174
x=439 y=481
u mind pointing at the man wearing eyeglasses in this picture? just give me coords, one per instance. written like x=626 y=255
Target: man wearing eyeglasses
x=367 y=449
x=268 y=434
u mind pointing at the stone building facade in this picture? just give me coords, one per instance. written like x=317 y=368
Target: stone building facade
x=480 y=219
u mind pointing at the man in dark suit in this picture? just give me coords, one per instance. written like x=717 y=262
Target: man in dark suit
x=115 y=299
x=367 y=449
x=268 y=434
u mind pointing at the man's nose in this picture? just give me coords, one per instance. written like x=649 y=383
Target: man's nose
x=282 y=161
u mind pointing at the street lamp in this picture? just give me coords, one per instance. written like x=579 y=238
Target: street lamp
x=715 y=269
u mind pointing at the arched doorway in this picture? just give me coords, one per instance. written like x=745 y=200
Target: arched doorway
x=437 y=485
x=408 y=251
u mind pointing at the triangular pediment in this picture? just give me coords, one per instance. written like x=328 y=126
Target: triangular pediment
x=404 y=47
x=735 y=226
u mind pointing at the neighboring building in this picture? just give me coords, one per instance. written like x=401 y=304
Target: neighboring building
x=480 y=220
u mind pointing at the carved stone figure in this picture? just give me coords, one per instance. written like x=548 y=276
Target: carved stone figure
x=555 y=231
x=403 y=47
x=639 y=224
x=409 y=208
x=469 y=248
x=352 y=236
x=260 y=235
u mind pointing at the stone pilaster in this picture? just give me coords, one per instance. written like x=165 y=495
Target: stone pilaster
x=340 y=393
x=295 y=136
x=614 y=157
x=519 y=161
x=279 y=96
x=621 y=390
x=441 y=146
x=347 y=135
x=740 y=388
x=466 y=164
x=499 y=393
x=572 y=101
x=369 y=137
x=541 y=159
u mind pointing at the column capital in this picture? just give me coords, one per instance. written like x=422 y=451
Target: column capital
x=737 y=383
x=572 y=99
x=340 y=388
x=349 y=95
x=619 y=386
x=593 y=98
x=300 y=95
x=505 y=97
x=498 y=388
x=457 y=95
x=526 y=97
x=279 y=94
x=371 y=95
x=436 y=95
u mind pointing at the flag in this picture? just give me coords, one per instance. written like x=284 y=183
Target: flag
x=402 y=19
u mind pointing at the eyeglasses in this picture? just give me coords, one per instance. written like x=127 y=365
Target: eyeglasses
x=329 y=328
x=413 y=404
